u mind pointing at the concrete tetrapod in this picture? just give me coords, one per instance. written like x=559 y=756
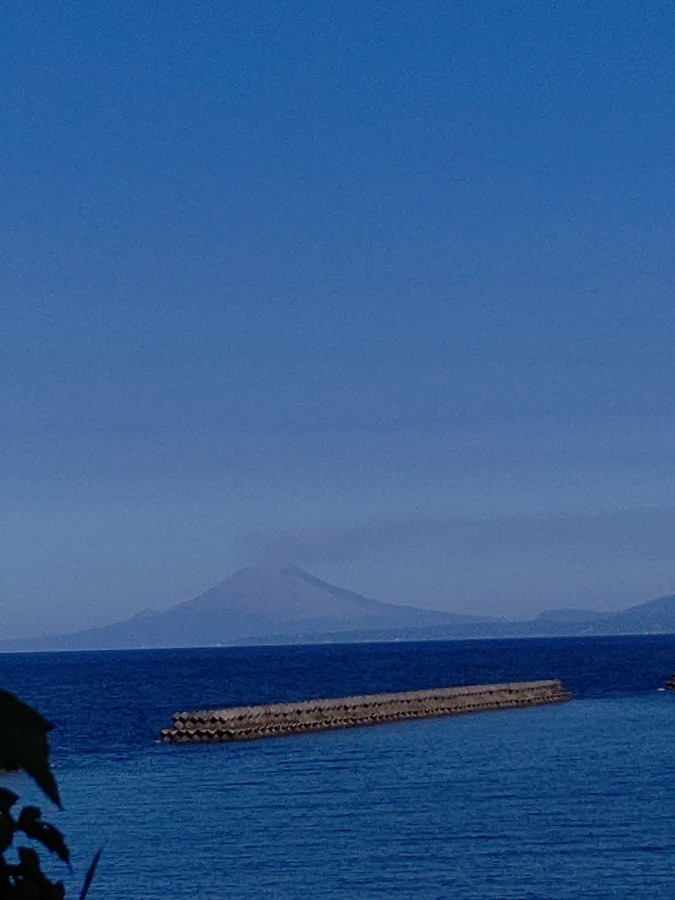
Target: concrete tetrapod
x=241 y=723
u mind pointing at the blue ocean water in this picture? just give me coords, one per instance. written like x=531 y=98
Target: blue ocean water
x=573 y=800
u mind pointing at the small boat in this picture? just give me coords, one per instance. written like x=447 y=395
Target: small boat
x=670 y=684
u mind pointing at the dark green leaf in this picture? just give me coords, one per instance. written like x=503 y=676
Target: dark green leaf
x=7 y=829
x=29 y=859
x=32 y=825
x=91 y=871
x=7 y=799
x=23 y=743
x=28 y=815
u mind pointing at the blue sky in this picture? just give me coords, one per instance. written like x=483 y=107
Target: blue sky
x=280 y=279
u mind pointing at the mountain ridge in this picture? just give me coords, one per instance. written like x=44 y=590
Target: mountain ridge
x=288 y=605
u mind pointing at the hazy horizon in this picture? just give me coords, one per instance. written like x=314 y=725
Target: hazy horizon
x=381 y=291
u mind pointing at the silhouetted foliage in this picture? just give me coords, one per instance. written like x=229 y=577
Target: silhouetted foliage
x=23 y=743
x=24 y=747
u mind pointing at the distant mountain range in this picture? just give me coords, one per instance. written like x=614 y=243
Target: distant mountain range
x=266 y=605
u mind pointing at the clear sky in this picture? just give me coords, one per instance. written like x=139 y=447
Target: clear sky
x=384 y=289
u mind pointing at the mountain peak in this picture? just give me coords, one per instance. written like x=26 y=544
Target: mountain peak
x=257 y=570
x=283 y=593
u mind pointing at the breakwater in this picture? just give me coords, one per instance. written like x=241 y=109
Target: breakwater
x=241 y=723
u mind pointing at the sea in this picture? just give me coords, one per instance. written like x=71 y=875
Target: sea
x=573 y=800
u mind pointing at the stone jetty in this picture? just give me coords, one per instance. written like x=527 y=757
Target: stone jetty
x=242 y=723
